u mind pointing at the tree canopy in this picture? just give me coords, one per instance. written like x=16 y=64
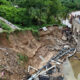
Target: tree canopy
x=36 y=12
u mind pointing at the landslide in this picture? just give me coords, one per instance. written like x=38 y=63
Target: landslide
x=16 y=44
x=13 y=49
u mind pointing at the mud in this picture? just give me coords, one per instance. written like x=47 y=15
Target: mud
x=24 y=43
x=12 y=45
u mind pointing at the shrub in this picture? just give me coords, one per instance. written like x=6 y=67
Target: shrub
x=4 y=2
x=15 y=15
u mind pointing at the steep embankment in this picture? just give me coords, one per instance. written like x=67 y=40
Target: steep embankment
x=13 y=49
x=20 y=49
x=16 y=45
x=25 y=42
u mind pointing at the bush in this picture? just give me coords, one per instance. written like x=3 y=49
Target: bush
x=15 y=15
x=4 y=2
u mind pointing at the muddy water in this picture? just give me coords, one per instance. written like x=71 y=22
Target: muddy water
x=68 y=71
x=71 y=68
x=75 y=63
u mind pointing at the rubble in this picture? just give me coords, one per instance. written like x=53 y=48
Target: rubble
x=38 y=52
x=64 y=38
x=60 y=43
x=49 y=68
x=9 y=64
x=66 y=46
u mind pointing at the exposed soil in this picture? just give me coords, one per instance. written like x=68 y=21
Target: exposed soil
x=24 y=43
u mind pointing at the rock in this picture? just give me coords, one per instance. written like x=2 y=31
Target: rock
x=44 y=28
x=57 y=48
x=67 y=46
x=64 y=38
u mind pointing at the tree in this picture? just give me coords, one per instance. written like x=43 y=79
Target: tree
x=40 y=11
x=4 y=2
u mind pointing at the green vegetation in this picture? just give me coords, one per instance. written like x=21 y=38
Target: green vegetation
x=5 y=2
x=5 y=26
x=33 y=14
x=22 y=57
x=69 y=6
x=12 y=14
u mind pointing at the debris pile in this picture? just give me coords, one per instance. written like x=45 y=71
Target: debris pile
x=52 y=66
x=41 y=52
x=52 y=44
